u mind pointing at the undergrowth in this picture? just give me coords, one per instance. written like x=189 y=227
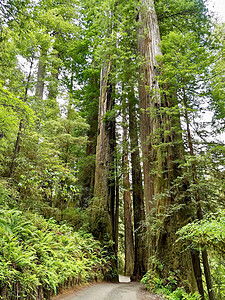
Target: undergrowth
x=168 y=288
x=38 y=257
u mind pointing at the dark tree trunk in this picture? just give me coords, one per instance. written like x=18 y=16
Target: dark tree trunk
x=140 y=253
x=102 y=212
x=116 y=223
x=88 y=171
x=198 y=272
x=21 y=125
x=128 y=224
x=16 y=148
x=102 y=220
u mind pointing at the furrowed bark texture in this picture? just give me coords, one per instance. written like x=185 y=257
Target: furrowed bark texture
x=149 y=97
x=140 y=253
x=102 y=208
x=128 y=224
x=162 y=151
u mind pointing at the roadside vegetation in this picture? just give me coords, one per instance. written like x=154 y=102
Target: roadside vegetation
x=39 y=258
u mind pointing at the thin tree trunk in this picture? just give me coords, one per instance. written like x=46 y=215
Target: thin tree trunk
x=198 y=203
x=140 y=253
x=21 y=125
x=16 y=148
x=198 y=272
x=116 y=230
x=88 y=172
x=111 y=124
x=128 y=224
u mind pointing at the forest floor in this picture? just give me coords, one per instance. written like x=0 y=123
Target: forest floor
x=124 y=290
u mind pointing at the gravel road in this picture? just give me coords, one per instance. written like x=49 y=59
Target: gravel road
x=113 y=291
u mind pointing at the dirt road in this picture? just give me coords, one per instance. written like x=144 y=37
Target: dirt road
x=113 y=291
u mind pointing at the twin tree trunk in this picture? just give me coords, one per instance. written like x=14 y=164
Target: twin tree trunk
x=162 y=151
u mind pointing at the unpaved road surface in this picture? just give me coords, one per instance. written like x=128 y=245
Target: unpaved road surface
x=113 y=291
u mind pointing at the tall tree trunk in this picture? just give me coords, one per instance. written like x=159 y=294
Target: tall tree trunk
x=39 y=92
x=162 y=152
x=52 y=106
x=53 y=84
x=21 y=124
x=102 y=212
x=116 y=223
x=198 y=272
x=140 y=253
x=88 y=171
x=198 y=203
x=128 y=224
x=148 y=42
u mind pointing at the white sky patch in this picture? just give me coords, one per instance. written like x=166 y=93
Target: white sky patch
x=217 y=7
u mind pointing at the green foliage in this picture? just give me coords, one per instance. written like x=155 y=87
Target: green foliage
x=180 y=294
x=218 y=275
x=217 y=87
x=168 y=287
x=209 y=232
x=38 y=256
x=151 y=281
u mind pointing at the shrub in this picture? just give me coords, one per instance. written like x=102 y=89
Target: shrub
x=168 y=288
x=38 y=257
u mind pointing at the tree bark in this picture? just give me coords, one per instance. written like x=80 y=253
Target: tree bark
x=53 y=85
x=102 y=207
x=116 y=230
x=162 y=152
x=198 y=272
x=128 y=224
x=102 y=211
x=52 y=106
x=148 y=42
x=140 y=253
x=39 y=93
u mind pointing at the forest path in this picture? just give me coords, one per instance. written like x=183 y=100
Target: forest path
x=124 y=290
